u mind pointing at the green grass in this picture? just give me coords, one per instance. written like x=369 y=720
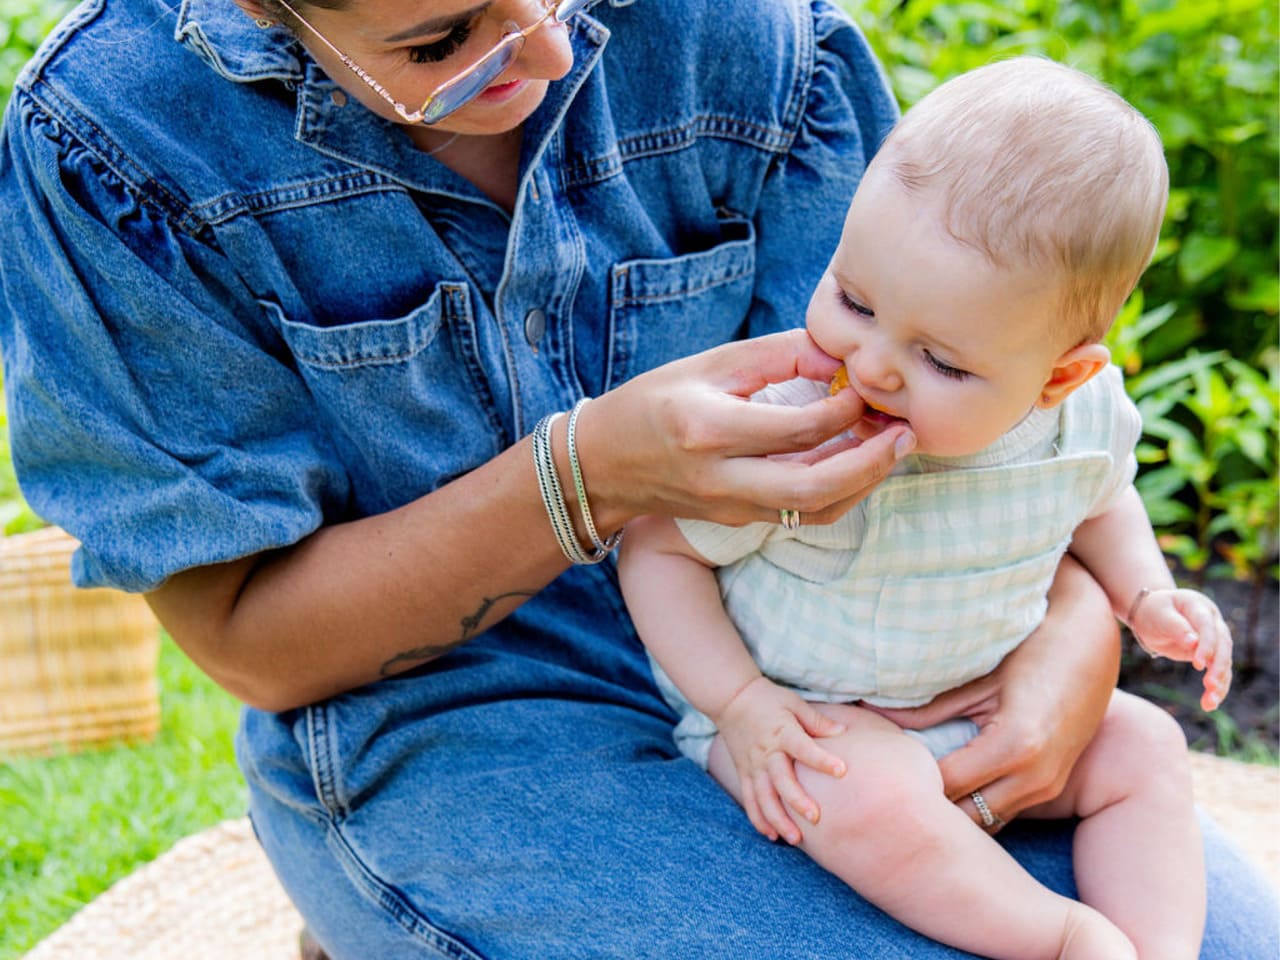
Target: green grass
x=71 y=825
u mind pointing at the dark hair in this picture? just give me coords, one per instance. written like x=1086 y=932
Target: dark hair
x=283 y=15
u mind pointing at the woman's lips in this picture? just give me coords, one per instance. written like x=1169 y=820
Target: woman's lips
x=501 y=91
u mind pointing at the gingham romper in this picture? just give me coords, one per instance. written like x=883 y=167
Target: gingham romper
x=934 y=577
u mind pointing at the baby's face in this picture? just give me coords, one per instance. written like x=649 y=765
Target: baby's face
x=929 y=331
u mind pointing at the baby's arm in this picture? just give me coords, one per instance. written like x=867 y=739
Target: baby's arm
x=1119 y=548
x=674 y=600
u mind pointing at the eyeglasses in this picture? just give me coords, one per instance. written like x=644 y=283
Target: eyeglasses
x=465 y=86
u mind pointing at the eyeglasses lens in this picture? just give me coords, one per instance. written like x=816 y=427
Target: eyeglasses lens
x=473 y=84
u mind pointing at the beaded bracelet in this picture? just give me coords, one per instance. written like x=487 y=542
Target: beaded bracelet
x=553 y=495
x=580 y=487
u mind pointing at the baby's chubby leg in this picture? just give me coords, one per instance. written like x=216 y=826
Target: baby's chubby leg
x=1138 y=854
x=888 y=830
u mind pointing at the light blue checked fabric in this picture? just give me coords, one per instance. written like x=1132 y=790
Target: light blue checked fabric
x=935 y=577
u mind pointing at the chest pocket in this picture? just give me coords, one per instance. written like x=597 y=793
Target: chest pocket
x=662 y=310
x=406 y=398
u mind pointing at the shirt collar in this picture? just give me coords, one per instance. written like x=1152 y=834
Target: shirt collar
x=224 y=37
x=341 y=128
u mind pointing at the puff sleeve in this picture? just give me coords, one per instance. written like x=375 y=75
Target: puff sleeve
x=152 y=414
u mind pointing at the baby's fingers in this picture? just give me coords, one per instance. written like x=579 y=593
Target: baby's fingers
x=782 y=774
x=751 y=806
x=816 y=723
x=1217 y=677
x=803 y=748
x=771 y=804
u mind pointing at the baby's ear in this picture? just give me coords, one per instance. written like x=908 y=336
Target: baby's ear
x=1071 y=370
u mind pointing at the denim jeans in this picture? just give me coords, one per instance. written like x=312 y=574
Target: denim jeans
x=501 y=805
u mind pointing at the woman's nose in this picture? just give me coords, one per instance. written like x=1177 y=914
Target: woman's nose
x=547 y=53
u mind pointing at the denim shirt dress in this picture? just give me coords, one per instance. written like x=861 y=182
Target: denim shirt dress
x=236 y=306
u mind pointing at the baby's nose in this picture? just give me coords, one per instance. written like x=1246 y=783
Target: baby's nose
x=876 y=367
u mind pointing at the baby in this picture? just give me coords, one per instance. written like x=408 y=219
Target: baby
x=993 y=239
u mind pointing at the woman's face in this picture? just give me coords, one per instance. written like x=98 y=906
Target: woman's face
x=411 y=47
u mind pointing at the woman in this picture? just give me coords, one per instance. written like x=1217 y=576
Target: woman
x=275 y=348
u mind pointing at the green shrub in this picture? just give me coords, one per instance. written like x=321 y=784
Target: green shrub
x=23 y=24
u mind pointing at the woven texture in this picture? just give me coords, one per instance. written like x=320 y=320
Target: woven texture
x=214 y=897
x=77 y=667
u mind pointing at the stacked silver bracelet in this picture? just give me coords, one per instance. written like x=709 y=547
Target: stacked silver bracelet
x=553 y=494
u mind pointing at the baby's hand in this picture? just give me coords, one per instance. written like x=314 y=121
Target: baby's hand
x=1186 y=625
x=767 y=728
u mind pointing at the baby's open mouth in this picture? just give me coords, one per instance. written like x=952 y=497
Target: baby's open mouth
x=876 y=415
x=873 y=414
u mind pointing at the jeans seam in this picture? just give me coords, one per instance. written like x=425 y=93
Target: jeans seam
x=323 y=768
x=394 y=903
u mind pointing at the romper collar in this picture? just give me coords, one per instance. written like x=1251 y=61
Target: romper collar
x=1031 y=438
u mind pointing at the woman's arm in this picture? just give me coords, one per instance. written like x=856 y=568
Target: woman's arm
x=357 y=601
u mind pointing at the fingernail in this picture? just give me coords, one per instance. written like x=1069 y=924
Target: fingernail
x=905 y=443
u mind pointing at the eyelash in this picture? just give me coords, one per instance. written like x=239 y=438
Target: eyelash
x=853 y=306
x=954 y=373
x=945 y=369
x=441 y=49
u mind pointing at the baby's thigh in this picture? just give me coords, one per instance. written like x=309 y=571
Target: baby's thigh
x=890 y=777
x=1138 y=749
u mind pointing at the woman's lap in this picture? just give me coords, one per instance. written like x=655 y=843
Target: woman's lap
x=551 y=827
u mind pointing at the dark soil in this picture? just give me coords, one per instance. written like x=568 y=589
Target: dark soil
x=1247 y=725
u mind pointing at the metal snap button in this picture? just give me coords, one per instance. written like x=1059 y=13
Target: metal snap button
x=535 y=326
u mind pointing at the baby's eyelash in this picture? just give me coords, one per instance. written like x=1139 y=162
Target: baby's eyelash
x=853 y=305
x=441 y=49
x=955 y=373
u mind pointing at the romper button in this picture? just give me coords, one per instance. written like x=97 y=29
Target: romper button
x=535 y=325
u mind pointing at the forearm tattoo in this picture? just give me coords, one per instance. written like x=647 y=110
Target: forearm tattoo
x=470 y=624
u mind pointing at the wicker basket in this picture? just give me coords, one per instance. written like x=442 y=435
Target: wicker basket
x=77 y=667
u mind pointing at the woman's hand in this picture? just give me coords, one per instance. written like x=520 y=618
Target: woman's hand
x=684 y=440
x=1038 y=710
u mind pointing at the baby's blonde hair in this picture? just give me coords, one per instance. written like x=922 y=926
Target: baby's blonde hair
x=1036 y=164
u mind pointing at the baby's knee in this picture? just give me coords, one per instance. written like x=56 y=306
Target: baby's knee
x=1148 y=742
